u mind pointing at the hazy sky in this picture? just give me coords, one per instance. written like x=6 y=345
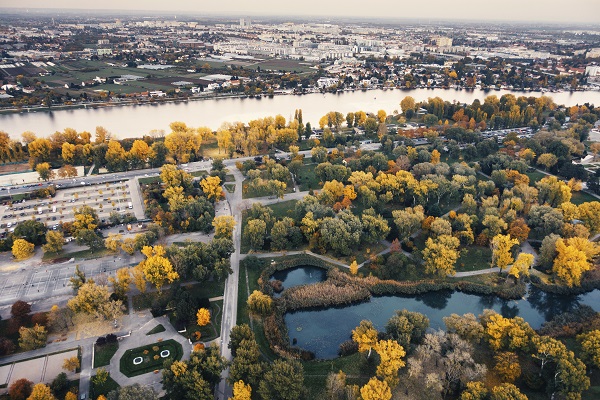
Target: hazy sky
x=582 y=11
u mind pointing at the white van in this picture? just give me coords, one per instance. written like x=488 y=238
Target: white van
x=130 y=205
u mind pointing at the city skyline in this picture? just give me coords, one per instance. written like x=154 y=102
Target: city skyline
x=511 y=10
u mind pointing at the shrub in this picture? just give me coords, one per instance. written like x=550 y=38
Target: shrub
x=111 y=338
x=347 y=348
x=155 y=348
x=101 y=341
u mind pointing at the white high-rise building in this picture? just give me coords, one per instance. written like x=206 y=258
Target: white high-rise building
x=245 y=23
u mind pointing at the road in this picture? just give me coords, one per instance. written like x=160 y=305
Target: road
x=230 y=297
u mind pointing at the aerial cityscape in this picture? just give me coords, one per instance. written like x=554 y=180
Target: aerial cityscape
x=265 y=201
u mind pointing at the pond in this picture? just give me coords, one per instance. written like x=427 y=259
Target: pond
x=301 y=275
x=322 y=331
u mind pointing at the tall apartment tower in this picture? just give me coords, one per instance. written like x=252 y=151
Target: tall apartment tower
x=245 y=23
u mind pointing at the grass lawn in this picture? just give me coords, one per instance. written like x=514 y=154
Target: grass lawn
x=355 y=366
x=283 y=208
x=360 y=254
x=308 y=179
x=534 y=177
x=103 y=354
x=149 y=180
x=582 y=197
x=230 y=187
x=213 y=329
x=242 y=311
x=242 y=308
x=151 y=357
x=474 y=258
x=198 y=173
x=157 y=329
x=104 y=389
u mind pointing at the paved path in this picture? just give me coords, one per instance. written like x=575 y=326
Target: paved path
x=295 y=252
x=230 y=297
x=478 y=272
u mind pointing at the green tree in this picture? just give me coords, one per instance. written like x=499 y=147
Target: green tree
x=194 y=378
x=78 y=279
x=255 y=232
x=55 y=240
x=133 y=392
x=283 y=381
x=101 y=377
x=32 y=231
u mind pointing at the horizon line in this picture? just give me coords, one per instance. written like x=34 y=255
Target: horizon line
x=174 y=13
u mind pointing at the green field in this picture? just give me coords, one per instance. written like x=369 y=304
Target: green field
x=474 y=258
x=308 y=179
x=151 y=357
x=104 y=353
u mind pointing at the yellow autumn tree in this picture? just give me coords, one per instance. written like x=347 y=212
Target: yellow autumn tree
x=501 y=250
x=440 y=255
x=137 y=275
x=70 y=396
x=365 y=336
x=211 y=186
x=521 y=265
x=203 y=317
x=41 y=391
x=22 y=249
x=590 y=347
x=259 y=303
x=182 y=142
x=113 y=242
x=241 y=391
x=435 y=157
x=572 y=260
x=158 y=270
x=71 y=364
x=375 y=390
x=223 y=225
x=390 y=356
x=353 y=267
x=121 y=282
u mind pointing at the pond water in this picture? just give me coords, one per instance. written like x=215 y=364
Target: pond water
x=302 y=275
x=322 y=331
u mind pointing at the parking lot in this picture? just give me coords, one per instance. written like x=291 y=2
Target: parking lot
x=103 y=198
x=54 y=280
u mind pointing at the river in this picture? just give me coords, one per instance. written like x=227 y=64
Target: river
x=137 y=120
x=322 y=331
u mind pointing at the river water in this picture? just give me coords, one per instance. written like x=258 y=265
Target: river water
x=322 y=331
x=137 y=120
